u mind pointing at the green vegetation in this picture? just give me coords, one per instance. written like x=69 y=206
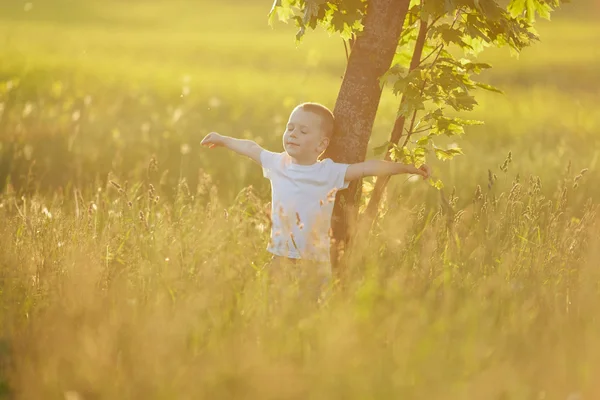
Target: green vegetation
x=156 y=289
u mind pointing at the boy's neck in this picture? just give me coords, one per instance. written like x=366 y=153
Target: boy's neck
x=303 y=162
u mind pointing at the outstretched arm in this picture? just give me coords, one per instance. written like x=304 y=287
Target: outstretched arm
x=383 y=168
x=244 y=147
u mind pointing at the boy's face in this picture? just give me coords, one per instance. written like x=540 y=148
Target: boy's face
x=304 y=139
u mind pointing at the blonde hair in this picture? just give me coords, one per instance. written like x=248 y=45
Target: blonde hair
x=327 y=118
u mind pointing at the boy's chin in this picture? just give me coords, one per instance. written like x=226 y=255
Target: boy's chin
x=293 y=151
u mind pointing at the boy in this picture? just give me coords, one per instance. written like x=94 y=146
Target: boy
x=302 y=187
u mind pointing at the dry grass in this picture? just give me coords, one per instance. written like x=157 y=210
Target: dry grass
x=119 y=298
x=155 y=287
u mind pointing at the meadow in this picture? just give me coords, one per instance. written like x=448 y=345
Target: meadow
x=132 y=260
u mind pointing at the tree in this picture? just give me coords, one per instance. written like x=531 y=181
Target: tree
x=425 y=51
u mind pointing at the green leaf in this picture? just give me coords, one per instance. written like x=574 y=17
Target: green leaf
x=476 y=45
x=413 y=80
x=448 y=6
x=441 y=154
x=423 y=141
x=379 y=150
x=338 y=22
x=276 y=5
x=441 y=124
x=475 y=67
x=400 y=85
x=448 y=127
x=475 y=32
x=418 y=156
x=467 y=122
x=489 y=87
x=410 y=106
x=450 y=60
x=433 y=115
x=543 y=9
x=392 y=76
x=420 y=151
x=516 y=7
x=530 y=10
x=462 y=101
x=344 y=17
x=447 y=154
x=282 y=10
x=401 y=154
x=451 y=35
x=455 y=151
x=433 y=8
x=438 y=184
x=491 y=9
x=451 y=79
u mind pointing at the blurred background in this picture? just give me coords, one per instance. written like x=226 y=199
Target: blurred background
x=153 y=286
x=92 y=88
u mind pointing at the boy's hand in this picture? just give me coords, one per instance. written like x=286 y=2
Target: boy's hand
x=425 y=171
x=211 y=140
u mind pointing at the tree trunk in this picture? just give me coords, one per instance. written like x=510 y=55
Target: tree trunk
x=357 y=104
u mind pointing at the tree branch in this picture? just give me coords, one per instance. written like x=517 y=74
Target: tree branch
x=414 y=116
x=420 y=130
x=441 y=45
x=381 y=182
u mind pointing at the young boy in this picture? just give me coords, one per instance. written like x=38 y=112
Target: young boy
x=302 y=187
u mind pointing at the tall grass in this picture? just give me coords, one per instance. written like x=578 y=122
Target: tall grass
x=133 y=263
x=115 y=293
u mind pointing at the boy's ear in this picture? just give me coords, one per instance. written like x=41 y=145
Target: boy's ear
x=324 y=144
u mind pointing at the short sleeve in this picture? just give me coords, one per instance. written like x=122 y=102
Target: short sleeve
x=337 y=175
x=269 y=162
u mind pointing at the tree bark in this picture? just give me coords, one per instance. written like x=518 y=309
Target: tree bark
x=356 y=107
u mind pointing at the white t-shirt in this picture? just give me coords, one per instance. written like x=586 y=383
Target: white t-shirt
x=302 y=204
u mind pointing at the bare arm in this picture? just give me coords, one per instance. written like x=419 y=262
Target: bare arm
x=244 y=147
x=383 y=168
